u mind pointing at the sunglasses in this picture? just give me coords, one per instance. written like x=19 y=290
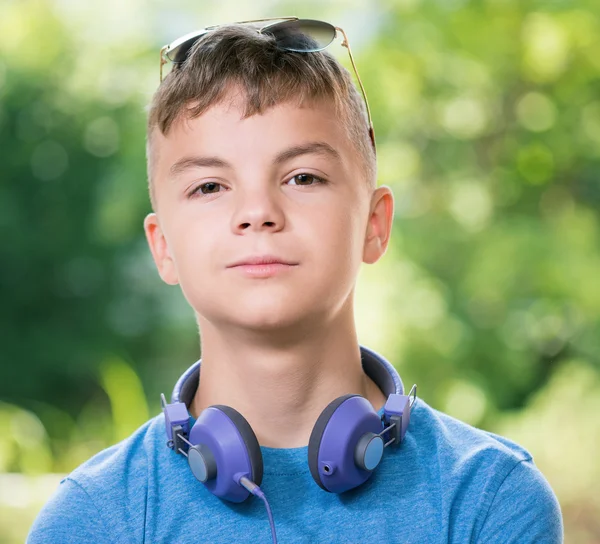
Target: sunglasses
x=290 y=34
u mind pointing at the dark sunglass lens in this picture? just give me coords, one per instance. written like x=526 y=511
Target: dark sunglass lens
x=178 y=53
x=303 y=35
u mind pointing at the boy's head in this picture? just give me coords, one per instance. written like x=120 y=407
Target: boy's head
x=239 y=57
x=255 y=151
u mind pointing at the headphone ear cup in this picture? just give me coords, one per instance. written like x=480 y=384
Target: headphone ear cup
x=345 y=447
x=316 y=436
x=226 y=447
x=250 y=440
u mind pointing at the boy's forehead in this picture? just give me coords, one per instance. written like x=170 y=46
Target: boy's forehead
x=230 y=113
x=225 y=128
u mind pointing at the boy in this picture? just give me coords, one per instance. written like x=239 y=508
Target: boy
x=262 y=179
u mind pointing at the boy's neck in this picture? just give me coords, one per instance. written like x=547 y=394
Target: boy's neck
x=281 y=389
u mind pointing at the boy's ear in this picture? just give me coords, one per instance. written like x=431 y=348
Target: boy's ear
x=160 y=250
x=379 y=226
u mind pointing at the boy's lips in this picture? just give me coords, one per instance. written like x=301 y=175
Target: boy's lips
x=262 y=266
x=261 y=260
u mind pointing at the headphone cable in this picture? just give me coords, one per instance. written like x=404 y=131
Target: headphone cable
x=258 y=492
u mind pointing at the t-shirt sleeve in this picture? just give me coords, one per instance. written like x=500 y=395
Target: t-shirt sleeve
x=69 y=517
x=524 y=510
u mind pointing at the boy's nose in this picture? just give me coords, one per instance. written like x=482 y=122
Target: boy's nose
x=259 y=211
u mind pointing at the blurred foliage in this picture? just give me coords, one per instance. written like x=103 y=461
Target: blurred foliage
x=487 y=120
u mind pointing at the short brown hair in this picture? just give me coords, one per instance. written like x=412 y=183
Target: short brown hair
x=238 y=56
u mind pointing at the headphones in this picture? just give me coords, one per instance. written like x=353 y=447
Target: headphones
x=345 y=447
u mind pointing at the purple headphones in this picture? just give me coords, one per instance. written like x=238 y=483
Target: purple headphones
x=345 y=446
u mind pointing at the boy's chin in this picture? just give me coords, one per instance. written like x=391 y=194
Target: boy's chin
x=264 y=321
x=262 y=317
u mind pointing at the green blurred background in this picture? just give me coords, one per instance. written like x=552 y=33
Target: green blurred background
x=487 y=116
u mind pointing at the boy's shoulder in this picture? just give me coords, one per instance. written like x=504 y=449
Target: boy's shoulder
x=128 y=458
x=453 y=439
x=455 y=457
x=96 y=497
x=485 y=481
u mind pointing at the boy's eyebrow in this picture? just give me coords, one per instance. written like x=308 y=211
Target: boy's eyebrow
x=185 y=163
x=322 y=148
x=305 y=149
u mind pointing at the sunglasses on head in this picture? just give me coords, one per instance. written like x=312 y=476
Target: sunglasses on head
x=290 y=34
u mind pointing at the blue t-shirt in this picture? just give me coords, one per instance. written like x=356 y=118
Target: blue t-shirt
x=447 y=482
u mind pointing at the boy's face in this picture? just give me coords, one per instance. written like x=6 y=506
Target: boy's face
x=229 y=190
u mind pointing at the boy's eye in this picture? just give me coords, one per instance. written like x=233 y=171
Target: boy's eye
x=210 y=187
x=305 y=179
x=207 y=188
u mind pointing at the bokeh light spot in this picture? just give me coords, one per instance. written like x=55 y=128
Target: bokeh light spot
x=101 y=137
x=546 y=47
x=464 y=117
x=536 y=112
x=536 y=163
x=470 y=204
x=465 y=401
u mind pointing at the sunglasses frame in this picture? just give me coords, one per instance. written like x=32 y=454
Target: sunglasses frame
x=196 y=34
